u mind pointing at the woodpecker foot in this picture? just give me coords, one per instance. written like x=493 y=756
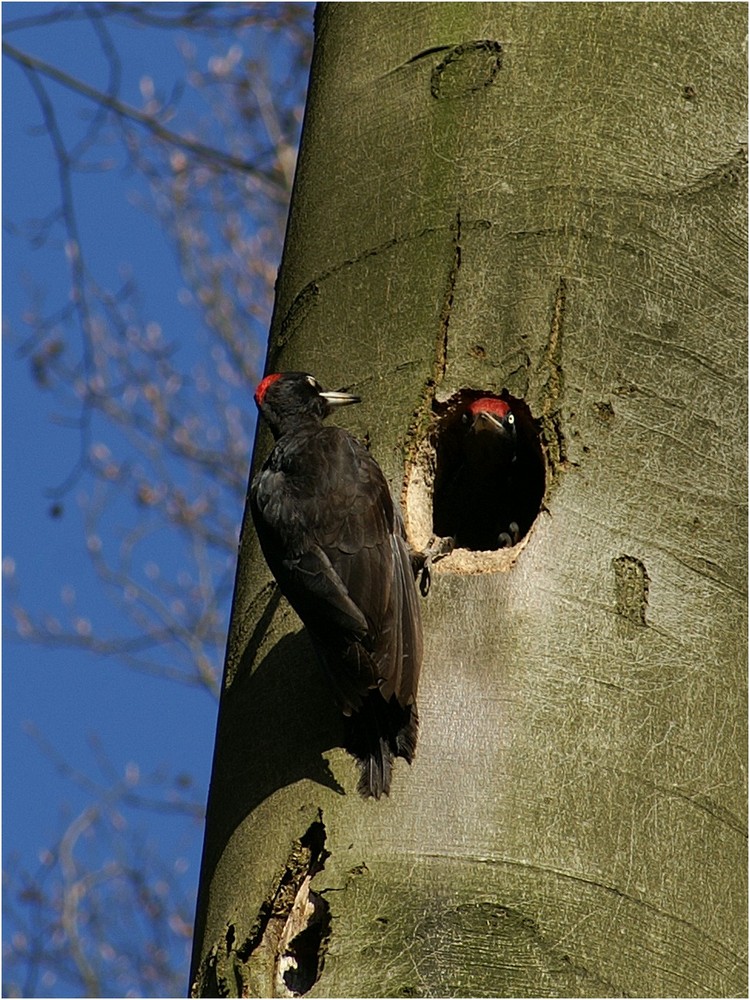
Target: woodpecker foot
x=421 y=562
x=507 y=539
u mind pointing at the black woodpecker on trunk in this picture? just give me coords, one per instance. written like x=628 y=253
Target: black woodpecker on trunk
x=335 y=542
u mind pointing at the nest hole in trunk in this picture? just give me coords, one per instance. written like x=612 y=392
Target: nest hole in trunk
x=489 y=470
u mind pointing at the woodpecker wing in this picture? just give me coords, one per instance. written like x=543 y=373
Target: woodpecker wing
x=328 y=529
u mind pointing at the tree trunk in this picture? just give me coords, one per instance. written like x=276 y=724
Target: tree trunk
x=546 y=199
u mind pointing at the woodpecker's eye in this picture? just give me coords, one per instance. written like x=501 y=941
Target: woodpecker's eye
x=510 y=419
x=312 y=382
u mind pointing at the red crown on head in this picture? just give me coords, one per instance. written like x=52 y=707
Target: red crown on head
x=489 y=404
x=264 y=386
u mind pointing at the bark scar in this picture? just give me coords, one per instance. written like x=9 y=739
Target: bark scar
x=308 y=298
x=552 y=392
x=441 y=352
x=423 y=416
x=631 y=589
x=467 y=68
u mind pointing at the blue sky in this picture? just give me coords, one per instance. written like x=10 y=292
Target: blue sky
x=66 y=694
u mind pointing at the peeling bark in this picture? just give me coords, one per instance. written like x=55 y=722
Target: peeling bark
x=285 y=953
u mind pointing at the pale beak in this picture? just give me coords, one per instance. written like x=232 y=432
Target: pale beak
x=339 y=398
x=493 y=421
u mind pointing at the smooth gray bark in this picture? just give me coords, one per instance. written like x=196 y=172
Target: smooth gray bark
x=550 y=199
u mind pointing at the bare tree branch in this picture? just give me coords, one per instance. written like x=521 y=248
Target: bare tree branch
x=164 y=441
x=214 y=157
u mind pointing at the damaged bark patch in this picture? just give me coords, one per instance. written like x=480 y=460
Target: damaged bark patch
x=284 y=955
x=631 y=589
x=298 y=921
x=604 y=412
x=303 y=942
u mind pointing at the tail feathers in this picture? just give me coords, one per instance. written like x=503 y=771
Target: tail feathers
x=376 y=768
x=406 y=739
x=378 y=733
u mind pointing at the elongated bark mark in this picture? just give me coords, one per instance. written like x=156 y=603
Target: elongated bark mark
x=283 y=955
x=300 y=307
x=423 y=416
x=417 y=57
x=441 y=348
x=552 y=393
x=308 y=297
x=631 y=589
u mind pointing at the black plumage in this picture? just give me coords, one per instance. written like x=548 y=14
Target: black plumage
x=477 y=484
x=335 y=542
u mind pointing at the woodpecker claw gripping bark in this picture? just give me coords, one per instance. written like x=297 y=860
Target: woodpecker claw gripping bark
x=422 y=562
x=336 y=544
